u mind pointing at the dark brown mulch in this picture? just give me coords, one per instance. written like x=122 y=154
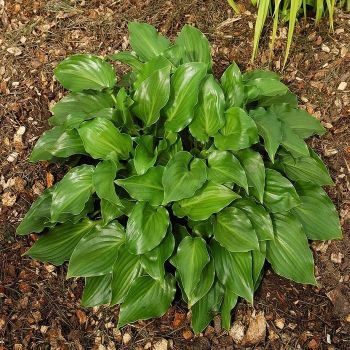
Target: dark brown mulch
x=39 y=308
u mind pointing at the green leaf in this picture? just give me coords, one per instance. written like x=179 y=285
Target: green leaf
x=38 y=216
x=191 y=258
x=224 y=167
x=103 y=180
x=146 y=41
x=96 y=252
x=97 y=291
x=128 y=58
x=147 y=298
x=84 y=72
x=58 y=244
x=154 y=260
x=289 y=254
x=152 y=95
x=102 y=140
x=301 y=122
x=125 y=271
x=110 y=211
x=293 y=142
x=258 y=216
x=195 y=44
x=184 y=88
x=234 y=231
x=123 y=104
x=234 y=271
x=258 y=260
x=57 y=143
x=209 y=111
x=231 y=82
x=309 y=169
x=86 y=105
x=317 y=213
x=72 y=192
x=238 y=132
x=145 y=155
x=269 y=128
x=183 y=176
x=210 y=199
x=146 y=228
x=228 y=303
x=254 y=168
x=289 y=98
x=280 y=195
x=204 y=310
x=147 y=187
x=204 y=228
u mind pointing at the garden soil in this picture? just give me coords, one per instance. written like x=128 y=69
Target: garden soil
x=39 y=308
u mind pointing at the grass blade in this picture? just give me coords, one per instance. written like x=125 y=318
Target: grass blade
x=234 y=6
x=275 y=23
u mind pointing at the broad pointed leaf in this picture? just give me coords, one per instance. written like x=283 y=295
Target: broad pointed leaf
x=146 y=41
x=210 y=199
x=145 y=154
x=234 y=231
x=146 y=227
x=147 y=187
x=317 y=213
x=228 y=303
x=147 y=298
x=97 y=291
x=184 y=90
x=102 y=140
x=183 y=176
x=231 y=81
x=58 y=244
x=238 y=132
x=72 y=192
x=224 y=167
x=85 y=72
x=128 y=58
x=293 y=143
x=280 y=195
x=289 y=254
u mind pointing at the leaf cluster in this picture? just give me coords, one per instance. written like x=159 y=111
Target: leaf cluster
x=178 y=180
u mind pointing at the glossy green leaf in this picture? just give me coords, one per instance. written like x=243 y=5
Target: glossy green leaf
x=102 y=140
x=269 y=128
x=190 y=260
x=128 y=58
x=289 y=98
x=183 y=176
x=234 y=271
x=103 y=180
x=195 y=45
x=86 y=105
x=184 y=90
x=145 y=155
x=258 y=216
x=38 y=216
x=209 y=111
x=123 y=104
x=72 y=192
x=146 y=228
x=301 y=122
x=110 y=211
x=152 y=95
x=85 y=72
x=97 y=291
x=210 y=199
x=231 y=81
x=147 y=187
x=224 y=167
x=258 y=262
x=280 y=194
x=289 y=254
x=254 y=168
x=57 y=143
x=147 y=298
x=205 y=309
x=228 y=303
x=58 y=244
x=234 y=231
x=293 y=143
x=317 y=213
x=125 y=271
x=203 y=228
x=309 y=169
x=154 y=260
x=146 y=41
x=96 y=252
x=238 y=132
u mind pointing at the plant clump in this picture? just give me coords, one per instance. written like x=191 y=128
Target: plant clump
x=178 y=181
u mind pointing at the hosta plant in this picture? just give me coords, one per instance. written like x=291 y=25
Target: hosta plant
x=178 y=181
